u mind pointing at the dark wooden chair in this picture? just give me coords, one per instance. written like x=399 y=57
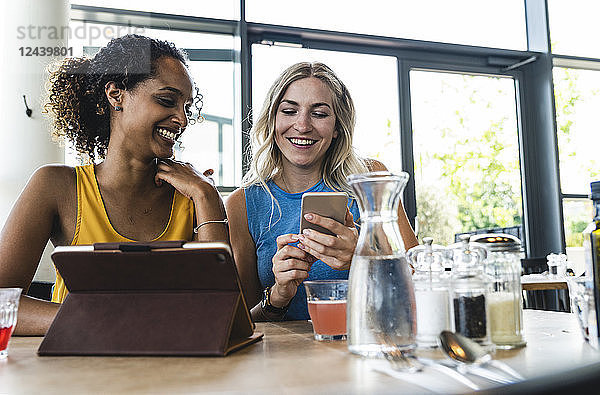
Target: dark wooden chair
x=41 y=290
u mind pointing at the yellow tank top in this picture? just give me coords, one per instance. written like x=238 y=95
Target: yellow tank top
x=93 y=225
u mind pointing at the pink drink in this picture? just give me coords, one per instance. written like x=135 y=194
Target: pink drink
x=4 y=336
x=328 y=316
x=9 y=302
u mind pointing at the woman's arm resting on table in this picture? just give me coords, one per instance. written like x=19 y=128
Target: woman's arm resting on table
x=31 y=223
x=406 y=231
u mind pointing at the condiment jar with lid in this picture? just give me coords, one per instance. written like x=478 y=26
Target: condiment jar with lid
x=468 y=291
x=557 y=265
x=505 y=299
x=432 y=294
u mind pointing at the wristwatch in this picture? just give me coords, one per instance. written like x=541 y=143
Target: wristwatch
x=268 y=307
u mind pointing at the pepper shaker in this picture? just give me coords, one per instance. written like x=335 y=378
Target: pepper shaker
x=469 y=286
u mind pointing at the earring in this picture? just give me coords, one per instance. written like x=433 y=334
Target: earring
x=118 y=108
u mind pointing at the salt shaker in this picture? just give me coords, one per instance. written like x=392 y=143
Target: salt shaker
x=557 y=265
x=468 y=291
x=505 y=299
x=432 y=293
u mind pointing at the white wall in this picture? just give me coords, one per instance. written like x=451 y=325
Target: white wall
x=26 y=143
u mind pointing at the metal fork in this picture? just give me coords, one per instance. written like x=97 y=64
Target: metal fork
x=404 y=362
x=401 y=361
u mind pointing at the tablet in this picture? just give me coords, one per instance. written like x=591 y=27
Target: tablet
x=161 y=298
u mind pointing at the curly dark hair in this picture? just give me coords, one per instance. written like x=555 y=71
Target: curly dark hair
x=77 y=102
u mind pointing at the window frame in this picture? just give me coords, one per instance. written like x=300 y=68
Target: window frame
x=414 y=54
x=579 y=63
x=543 y=221
x=161 y=21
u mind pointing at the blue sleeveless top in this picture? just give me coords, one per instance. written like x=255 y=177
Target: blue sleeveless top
x=266 y=223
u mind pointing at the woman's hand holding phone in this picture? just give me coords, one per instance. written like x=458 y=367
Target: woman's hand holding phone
x=290 y=267
x=335 y=251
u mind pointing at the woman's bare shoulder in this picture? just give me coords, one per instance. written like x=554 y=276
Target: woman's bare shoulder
x=375 y=165
x=54 y=177
x=236 y=202
x=56 y=170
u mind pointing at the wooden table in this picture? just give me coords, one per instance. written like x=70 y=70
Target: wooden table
x=539 y=283
x=287 y=360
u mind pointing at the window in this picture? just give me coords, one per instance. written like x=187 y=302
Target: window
x=577 y=213
x=371 y=80
x=214 y=143
x=224 y=9
x=574 y=28
x=470 y=22
x=577 y=96
x=466 y=153
x=389 y=99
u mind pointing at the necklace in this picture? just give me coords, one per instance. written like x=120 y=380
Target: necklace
x=287 y=189
x=302 y=186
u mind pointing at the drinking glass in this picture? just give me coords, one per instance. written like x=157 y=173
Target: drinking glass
x=327 y=308
x=9 y=303
x=582 y=303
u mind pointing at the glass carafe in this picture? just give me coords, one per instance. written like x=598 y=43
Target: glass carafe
x=381 y=298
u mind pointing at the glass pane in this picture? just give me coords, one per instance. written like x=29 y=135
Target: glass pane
x=577 y=95
x=377 y=132
x=98 y=35
x=574 y=27
x=466 y=153
x=577 y=213
x=213 y=143
x=222 y=9
x=468 y=22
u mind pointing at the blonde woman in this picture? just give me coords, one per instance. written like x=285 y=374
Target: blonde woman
x=301 y=142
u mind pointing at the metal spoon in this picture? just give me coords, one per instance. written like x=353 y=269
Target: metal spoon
x=466 y=351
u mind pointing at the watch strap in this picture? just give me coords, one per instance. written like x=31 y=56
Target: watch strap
x=268 y=307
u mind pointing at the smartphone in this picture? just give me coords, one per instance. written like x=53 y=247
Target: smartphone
x=326 y=204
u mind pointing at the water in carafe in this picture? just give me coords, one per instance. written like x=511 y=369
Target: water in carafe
x=381 y=298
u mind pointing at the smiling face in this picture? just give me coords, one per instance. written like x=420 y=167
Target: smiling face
x=155 y=112
x=305 y=123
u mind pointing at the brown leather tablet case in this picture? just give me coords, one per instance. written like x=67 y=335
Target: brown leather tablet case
x=166 y=298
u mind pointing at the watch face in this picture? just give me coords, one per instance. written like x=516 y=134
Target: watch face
x=266 y=303
x=265 y=300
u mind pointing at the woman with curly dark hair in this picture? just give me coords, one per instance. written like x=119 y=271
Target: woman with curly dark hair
x=128 y=105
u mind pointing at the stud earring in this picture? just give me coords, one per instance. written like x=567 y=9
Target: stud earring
x=118 y=108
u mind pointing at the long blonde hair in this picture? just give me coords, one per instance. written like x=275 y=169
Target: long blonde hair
x=340 y=159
